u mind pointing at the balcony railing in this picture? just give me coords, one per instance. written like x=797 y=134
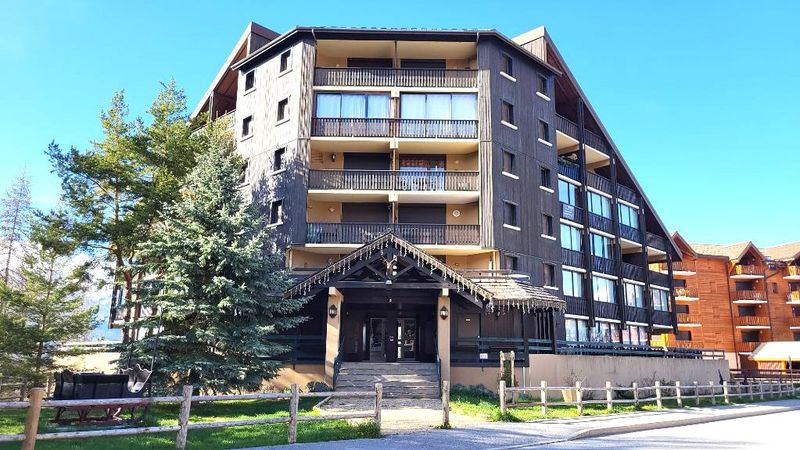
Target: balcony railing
x=569 y=169
x=685 y=292
x=793 y=296
x=635 y=314
x=598 y=182
x=656 y=242
x=662 y=317
x=747 y=346
x=740 y=269
x=630 y=233
x=688 y=318
x=793 y=271
x=600 y=223
x=577 y=305
x=571 y=257
x=403 y=128
x=393 y=180
x=595 y=141
x=606 y=310
x=416 y=233
x=746 y=295
x=566 y=126
x=659 y=279
x=571 y=213
x=605 y=265
x=388 y=77
x=632 y=272
x=751 y=321
x=678 y=266
x=627 y=194
x=794 y=321
x=688 y=344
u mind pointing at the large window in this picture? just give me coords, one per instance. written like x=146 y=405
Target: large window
x=438 y=106
x=602 y=289
x=628 y=216
x=572 y=283
x=601 y=245
x=567 y=192
x=634 y=295
x=570 y=238
x=577 y=330
x=599 y=204
x=357 y=106
x=605 y=332
x=635 y=335
x=660 y=299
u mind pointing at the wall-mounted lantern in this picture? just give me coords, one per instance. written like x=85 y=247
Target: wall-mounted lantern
x=444 y=313
x=333 y=311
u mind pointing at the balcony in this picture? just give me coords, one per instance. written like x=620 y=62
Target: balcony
x=659 y=279
x=577 y=306
x=569 y=169
x=635 y=314
x=627 y=194
x=630 y=233
x=749 y=296
x=632 y=272
x=794 y=322
x=744 y=272
x=401 y=128
x=656 y=242
x=388 y=77
x=394 y=180
x=747 y=347
x=416 y=233
x=595 y=142
x=751 y=322
x=688 y=344
x=793 y=297
x=792 y=273
x=567 y=127
x=604 y=265
x=606 y=310
x=686 y=294
x=662 y=318
x=678 y=267
x=571 y=257
x=571 y=213
x=601 y=223
x=598 y=182
x=688 y=320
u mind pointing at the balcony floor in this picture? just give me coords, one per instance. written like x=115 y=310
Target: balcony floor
x=452 y=250
x=378 y=196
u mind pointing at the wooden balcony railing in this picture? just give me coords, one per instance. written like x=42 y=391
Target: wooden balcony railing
x=794 y=321
x=659 y=279
x=606 y=310
x=627 y=194
x=632 y=272
x=601 y=223
x=751 y=321
x=740 y=269
x=681 y=266
x=793 y=296
x=793 y=271
x=662 y=317
x=656 y=242
x=569 y=169
x=630 y=233
x=389 y=77
x=749 y=295
x=566 y=126
x=577 y=305
x=747 y=346
x=605 y=265
x=571 y=213
x=685 y=292
x=688 y=318
x=393 y=180
x=571 y=257
x=636 y=314
x=595 y=141
x=598 y=182
x=416 y=233
x=688 y=344
x=404 y=128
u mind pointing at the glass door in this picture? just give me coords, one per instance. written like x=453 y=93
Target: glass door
x=377 y=339
x=407 y=335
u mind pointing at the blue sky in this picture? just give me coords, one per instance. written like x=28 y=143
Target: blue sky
x=699 y=96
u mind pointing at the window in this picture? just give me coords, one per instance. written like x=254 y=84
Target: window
x=286 y=60
x=748 y=311
x=243 y=174
x=660 y=299
x=683 y=335
x=247 y=126
x=601 y=245
x=276 y=212
x=599 y=204
x=541 y=84
x=572 y=283
x=511 y=262
x=774 y=288
x=571 y=238
x=277 y=159
x=510 y=214
x=437 y=106
x=751 y=336
x=544 y=178
x=283 y=109
x=634 y=335
x=507 y=113
x=628 y=216
x=549 y=274
x=509 y=162
x=605 y=332
x=508 y=65
x=567 y=192
x=250 y=80
x=577 y=330
x=359 y=106
x=796 y=336
x=795 y=311
x=683 y=309
x=603 y=290
x=544 y=131
x=634 y=295
x=547 y=224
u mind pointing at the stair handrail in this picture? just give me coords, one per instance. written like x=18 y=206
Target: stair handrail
x=438 y=365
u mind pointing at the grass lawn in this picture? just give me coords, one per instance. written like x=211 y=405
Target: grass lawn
x=11 y=422
x=486 y=405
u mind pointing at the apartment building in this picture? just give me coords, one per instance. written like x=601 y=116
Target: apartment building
x=442 y=195
x=735 y=297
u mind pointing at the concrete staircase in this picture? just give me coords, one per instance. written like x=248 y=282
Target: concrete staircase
x=400 y=380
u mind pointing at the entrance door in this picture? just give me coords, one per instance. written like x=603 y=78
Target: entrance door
x=377 y=337
x=407 y=337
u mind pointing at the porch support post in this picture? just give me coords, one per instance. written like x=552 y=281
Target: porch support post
x=332 y=333
x=443 y=334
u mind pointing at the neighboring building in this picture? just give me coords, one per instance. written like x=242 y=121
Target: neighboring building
x=442 y=195
x=735 y=297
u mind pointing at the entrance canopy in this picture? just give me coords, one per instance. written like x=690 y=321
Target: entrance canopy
x=777 y=351
x=390 y=262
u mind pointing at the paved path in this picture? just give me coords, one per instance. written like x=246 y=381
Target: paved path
x=553 y=431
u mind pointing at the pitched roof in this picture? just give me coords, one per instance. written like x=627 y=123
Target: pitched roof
x=777 y=351
x=733 y=251
x=783 y=252
x=493 y=290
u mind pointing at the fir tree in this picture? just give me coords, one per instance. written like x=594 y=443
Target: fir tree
x=216 y=288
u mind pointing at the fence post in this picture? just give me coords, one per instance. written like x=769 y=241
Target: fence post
x=609 y=401
x=761 y=389
x=293 y=404
x=780 y=388
x=713 y=393
x=678 y=394
x=725 y=392
x=635 y=395
x=379 y=399
x=543 y=396
x=32 y=418
x=579 y=397
x=502 y=393
x=183 y=418
x=750 y=391
x=445 y=404
x=511 y=378
x=658 y=394
x=696 y=394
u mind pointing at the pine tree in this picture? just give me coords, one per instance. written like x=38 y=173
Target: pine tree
x=217 y=288
x=15 y=217
x=49 y=309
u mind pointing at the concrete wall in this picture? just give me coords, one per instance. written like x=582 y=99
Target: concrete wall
x=302 y=374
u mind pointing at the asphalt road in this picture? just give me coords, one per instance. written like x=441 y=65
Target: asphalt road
x=771 y=431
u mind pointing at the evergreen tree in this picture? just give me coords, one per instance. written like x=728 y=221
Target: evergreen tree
x=15 y=217
x=49 y=309
x=217 y=288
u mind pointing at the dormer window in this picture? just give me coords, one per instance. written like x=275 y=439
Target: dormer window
x=250 y=80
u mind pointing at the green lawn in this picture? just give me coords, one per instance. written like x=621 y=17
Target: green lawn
x=11 y=422
x=486 y=405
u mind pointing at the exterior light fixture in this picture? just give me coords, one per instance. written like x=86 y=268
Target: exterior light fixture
x=444 y=313
x=333 y=311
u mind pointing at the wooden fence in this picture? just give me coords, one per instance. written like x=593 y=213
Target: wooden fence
x=579 y=396
x=36 y=402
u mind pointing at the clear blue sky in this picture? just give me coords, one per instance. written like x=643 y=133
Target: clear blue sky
x=700 y=96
